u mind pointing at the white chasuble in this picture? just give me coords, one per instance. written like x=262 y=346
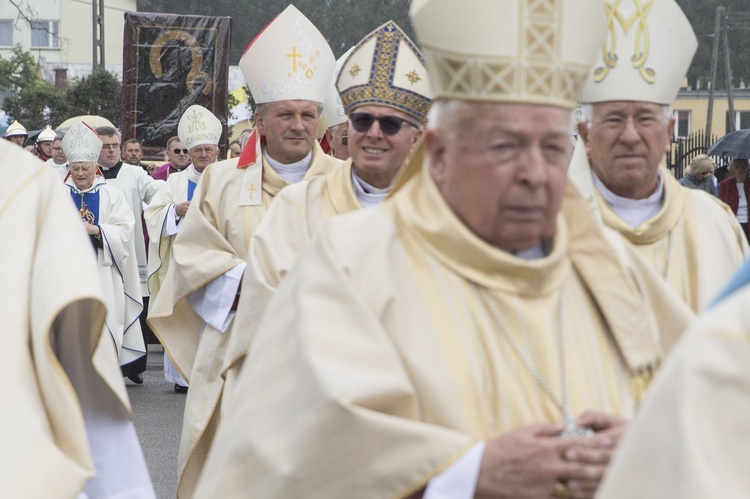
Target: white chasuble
x=694 y=242
x=291 y=222
x=212 y=240
x=378 y=362
x=688 y=437
x=177 y=189
x=118 y=271
x=63 y=394
x=139 y=188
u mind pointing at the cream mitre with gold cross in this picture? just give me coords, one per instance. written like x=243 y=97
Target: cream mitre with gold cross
x=333 y=108
x=387 y=69
x=289 y=60
x=198 y=126
x=82 y=144
x=527 y=51
x=647 y=52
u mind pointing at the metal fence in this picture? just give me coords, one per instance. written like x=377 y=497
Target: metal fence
x=684 y=149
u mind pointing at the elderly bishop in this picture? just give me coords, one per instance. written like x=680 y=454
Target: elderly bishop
x=467 y=337
x=688 y=237
x=200 y=131
x=109 y=223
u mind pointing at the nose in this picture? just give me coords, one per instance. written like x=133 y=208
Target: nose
x=375 y=130
x=533 y=167
x=630 y=133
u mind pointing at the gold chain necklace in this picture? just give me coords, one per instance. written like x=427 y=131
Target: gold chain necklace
x=570 y=428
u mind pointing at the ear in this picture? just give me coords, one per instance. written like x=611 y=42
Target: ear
x=583 y=132
x=260 y=124
x=417 y=137
x=434 y=150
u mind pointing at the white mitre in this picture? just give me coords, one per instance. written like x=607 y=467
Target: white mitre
x=288 y=60
x=333 y=108
x=526 y=51
x=198 y=126
x=82 y=144
x=647 y=52
x=387 y=69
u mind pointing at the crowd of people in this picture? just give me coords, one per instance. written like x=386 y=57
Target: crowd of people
x=406 y=280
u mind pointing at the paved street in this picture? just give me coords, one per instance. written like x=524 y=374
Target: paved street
x=158 y=420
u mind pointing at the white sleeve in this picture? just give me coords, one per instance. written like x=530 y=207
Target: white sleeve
x=173 y=225
x=459 y=480
x=213 y=302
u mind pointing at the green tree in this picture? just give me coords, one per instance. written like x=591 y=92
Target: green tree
x=37 y=105
x=702 y=16
x=98 y=93
x=18 y=71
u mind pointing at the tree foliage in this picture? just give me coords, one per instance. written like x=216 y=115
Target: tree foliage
x=98 y=93
x=342 y=22
x=37 y=103
x=18 y=71
x=702 y=16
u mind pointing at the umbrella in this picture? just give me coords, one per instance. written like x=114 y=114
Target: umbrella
x=733 y=145
x=91 y=120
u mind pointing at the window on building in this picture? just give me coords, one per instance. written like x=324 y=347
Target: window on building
x=742 y=120
x=682 y=123
x=6 y=32
x=45 y=34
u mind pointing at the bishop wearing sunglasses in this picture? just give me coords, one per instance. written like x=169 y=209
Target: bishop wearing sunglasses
x=384 y=127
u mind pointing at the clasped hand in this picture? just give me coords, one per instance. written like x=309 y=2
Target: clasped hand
x=531 y=461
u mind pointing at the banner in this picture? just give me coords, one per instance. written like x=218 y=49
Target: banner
x=171 y=62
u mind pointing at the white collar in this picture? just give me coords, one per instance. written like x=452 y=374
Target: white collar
x=633 y=211
x=293 y=172
x=368 y=195
x=98 y=182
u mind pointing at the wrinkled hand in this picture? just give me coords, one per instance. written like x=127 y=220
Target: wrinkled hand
x=609 y=429
x=528 y=462
x=181 y=208
x=91 y=230
x=151 y=168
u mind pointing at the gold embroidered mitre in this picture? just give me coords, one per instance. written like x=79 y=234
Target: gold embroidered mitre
x=647 y=52
x=526 y=51
x=288 y=60
x=198 y=126
x=81 y=144
x=386 y=68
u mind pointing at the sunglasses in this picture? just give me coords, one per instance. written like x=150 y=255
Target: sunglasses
x=389 y=125
x=178 y=151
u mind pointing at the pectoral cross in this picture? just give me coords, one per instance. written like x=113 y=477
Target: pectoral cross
x=294 y=56
x=252 y=191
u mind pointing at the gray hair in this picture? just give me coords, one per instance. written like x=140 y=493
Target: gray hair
x=445 y=115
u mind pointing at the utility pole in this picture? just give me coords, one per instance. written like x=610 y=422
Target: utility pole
x=712 y=83
x=97 y=21
x=730 y=95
